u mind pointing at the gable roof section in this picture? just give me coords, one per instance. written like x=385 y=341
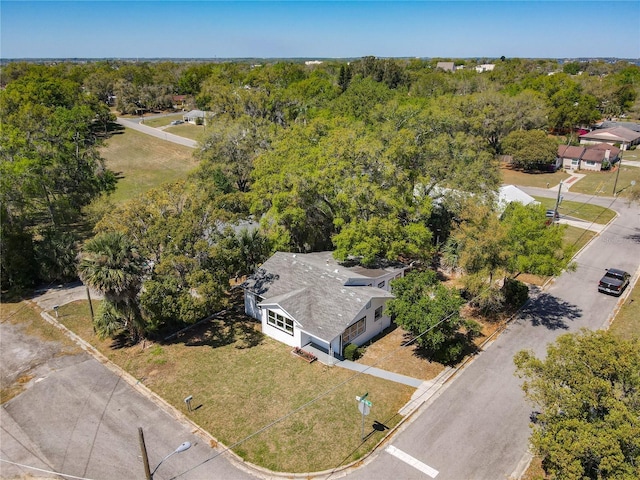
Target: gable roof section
x=613 y=134
x=570 y=151
x=511 y=193
x=312 y=289
x=613 y=151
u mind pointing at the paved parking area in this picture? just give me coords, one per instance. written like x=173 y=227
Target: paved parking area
x=80 y=418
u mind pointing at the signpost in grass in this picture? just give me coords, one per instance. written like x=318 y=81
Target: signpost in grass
x=364 y=406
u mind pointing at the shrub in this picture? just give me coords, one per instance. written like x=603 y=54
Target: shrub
x=515 y=293
x=352 y=352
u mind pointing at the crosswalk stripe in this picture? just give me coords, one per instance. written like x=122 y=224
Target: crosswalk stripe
x=415 y=463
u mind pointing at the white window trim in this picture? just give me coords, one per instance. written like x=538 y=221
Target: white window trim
x=280 y=322
x=378 y=313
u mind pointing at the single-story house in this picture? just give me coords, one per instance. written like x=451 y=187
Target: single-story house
x=590 y=157
x=193 y=116
x=179 y=101
x=614 y=135
x=310 y=298
x=446 y=66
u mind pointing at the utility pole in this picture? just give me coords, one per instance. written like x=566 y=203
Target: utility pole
x=617 y=174
x=145 y=458
x=555 y=210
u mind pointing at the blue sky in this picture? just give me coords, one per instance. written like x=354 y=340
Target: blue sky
x=327 y=29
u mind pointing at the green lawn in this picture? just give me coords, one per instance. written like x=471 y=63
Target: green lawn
x=602 y=183
x=583 y=211
x=143 y=162
x=627 y=321
x=243 y=382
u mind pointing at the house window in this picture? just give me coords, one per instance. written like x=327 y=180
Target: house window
x=575 y=162
x=354 y=330
x=381 y=284
x=378 y=314
x=591 y=164
x=281 y=323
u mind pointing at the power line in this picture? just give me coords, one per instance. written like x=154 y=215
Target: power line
x=43 y=470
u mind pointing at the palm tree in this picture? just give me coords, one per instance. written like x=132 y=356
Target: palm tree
x=112 y=266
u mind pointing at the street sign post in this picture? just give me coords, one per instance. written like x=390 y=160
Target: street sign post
x=364 y=406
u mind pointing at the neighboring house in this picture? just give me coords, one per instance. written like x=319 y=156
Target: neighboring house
x=446 y=66
x=596 y=155
x=630 y=125
x=179 y=101
x=614 y=135
x=570 y=156
x=193 y=116
x=485 y=67
x=510 y=193
x=310 y=298
x=591 y=157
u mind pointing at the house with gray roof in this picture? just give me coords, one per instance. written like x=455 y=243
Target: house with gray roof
x=614 y=135
x=195 y=117
x=310 y=298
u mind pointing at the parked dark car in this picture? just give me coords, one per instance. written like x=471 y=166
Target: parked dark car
x=614 y=282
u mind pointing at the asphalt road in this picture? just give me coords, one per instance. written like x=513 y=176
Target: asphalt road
x=80 y=418
x=134 y=124
x=478 y=427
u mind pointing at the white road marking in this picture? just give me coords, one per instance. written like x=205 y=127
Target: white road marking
x=405 y=457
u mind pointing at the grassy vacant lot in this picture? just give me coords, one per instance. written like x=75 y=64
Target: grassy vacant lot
x=274 y=409
x=143 y=162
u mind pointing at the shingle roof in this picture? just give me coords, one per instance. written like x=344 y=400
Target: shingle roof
x=612 y=134
x=570 y=151
x=312 y=289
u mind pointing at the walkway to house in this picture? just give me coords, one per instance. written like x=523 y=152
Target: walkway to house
x=357 y=367
x=566 y=184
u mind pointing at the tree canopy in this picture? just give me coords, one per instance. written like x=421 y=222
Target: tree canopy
x=587 y=391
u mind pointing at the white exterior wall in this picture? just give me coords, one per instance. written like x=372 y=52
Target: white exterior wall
x=373 y=327
x=596 y=167
x=251 y=305
x=280 y=335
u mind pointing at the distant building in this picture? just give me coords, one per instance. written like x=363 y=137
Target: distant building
x=196 y=117
x=622 y=136
x=446 y=66
x=485 y=67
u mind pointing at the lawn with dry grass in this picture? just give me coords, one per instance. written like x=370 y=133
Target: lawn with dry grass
x=252 y=394
x=513 y=176
x=143 y=162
